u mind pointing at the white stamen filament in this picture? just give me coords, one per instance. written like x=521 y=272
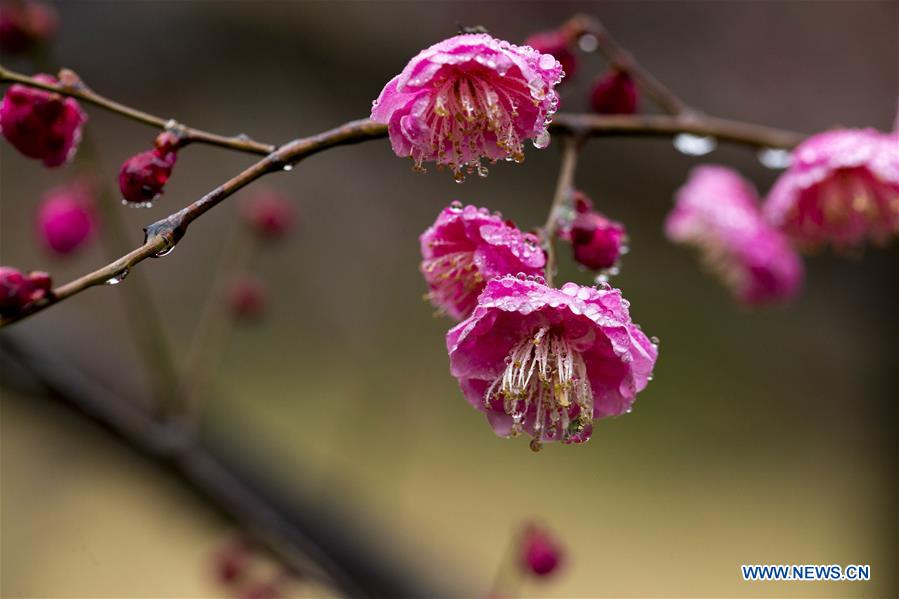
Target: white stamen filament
x=561 y=379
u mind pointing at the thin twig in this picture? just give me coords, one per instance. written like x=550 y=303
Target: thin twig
x=74 y=87
x=164 y=234
x=564 y=187
x=621 y=59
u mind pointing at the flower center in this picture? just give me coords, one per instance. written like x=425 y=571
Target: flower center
x=466 y=116
x=545 y=373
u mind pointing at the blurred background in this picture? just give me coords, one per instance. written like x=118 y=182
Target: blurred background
x=766 y=436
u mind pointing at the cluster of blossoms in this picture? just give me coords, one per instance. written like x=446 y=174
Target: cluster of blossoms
x=841 y=188
x=533 y=358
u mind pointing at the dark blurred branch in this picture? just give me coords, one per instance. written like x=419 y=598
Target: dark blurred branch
x=71 y=85
x=304 y=537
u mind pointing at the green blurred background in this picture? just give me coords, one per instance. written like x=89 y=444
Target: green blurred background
x=766 y=437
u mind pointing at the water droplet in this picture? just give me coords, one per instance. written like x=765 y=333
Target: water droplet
x=117 y=277
x=536 y=445
x=775 y=158
x=542 y=140
x=288 y=167
x=588 y=42
x=167 y=249
x=456 y=206
x=547 y=62
x=654 y=340
x=602 y=280
x=537 y=88
x=694 y=145
x=482 y=171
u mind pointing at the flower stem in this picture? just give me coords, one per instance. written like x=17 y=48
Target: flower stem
x=564 y=187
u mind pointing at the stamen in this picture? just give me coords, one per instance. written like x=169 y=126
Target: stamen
x=560 y=384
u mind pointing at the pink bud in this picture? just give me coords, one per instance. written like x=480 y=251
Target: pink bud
x=17 y=290
x=247 y=298
x=268 y=213
x=65 y=218
x=541 y=554
x=596 y=241
x=143 y=176
x=614 y=93
x=557 y=43
x=40 y=124
x=230 y=563
x=24 y=25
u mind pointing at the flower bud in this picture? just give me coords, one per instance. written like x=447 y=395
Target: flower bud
x=231 y=562
x=247 y=298
x=596 y=241
x=40 y=124
x=614 y=93
x=541 y=554
x=143 y=176
x=24 y=25
x=269 y=214
x=17 y=290
x=557 y=43
x=65 y=218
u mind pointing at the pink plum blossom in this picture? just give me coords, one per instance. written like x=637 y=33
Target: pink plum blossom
x=841 y=188
x=66 y=218
x=40 y=124
x=614 y=93
x=549 y=361
x=470 y=97
x=596 y=241
x=466 y=247
x=717 y=211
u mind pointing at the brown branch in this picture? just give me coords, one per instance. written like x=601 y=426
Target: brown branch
x=564 y=187
x=162 y=235
x=621 y=59
x=71 y=85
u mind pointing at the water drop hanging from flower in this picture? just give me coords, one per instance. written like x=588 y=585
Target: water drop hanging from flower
x=468 y=98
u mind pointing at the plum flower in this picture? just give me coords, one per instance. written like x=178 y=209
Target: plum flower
x=717 y=211
x=596 y=241
x=549 y=361
x=467 y=246
x=841 y=187
x=18 y=290
x=40 y=124
x=470 y=97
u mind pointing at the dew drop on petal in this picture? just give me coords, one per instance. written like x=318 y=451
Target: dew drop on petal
x=694 y=145
x=774 y=158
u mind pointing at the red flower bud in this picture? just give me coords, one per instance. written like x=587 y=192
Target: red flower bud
x=596 y=241
x=143 y=176
x=65 y=218
x=231 y=562
x=540 y=552
x=247 y=298
x=24 y=25
x=40 y=124
x=614 y=93
x=17 y=290
x=269 y=214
